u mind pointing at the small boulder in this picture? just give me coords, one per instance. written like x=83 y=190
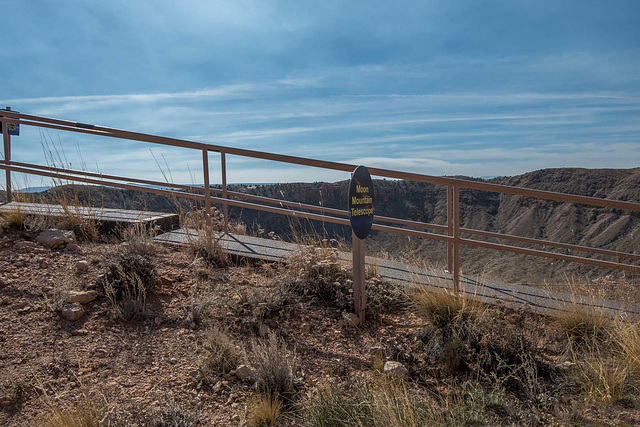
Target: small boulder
x=72 y=312
x=72 y=247
x=395 y=369
x=376 y=354
x=55 y=239
x=243 y=372
x=82 y=266
x=81 y=297
x=263 y=330
x=352 y=320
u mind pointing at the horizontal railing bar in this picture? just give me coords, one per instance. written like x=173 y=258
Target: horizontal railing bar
x=335 y=211
x=539 y=253
x=102 y=182
x=99 y=175
x=549 y=195
x=550 y=243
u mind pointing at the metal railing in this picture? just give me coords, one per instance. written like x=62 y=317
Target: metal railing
x=453 y=232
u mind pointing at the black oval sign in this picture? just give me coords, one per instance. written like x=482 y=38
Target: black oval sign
x=361 y=202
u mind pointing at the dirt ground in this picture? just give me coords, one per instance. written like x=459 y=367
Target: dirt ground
x=146 y=371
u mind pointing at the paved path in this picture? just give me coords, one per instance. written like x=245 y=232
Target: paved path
x=109 y=218
x=513 y=295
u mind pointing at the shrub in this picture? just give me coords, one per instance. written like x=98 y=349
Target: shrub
x=219 y=356
x=128 y=282
x=274 y=367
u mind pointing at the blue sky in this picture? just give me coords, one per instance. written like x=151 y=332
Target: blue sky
x=479 y=88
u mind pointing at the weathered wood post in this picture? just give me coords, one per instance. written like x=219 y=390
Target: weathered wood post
x=361 y=218
x=6 y=136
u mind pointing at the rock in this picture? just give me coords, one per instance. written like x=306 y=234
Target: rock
x=55 y=239
x=82 y=266
x=80 y=332
x=23 y=244
x=148 y=359
x=263 y=330
x=396 y=369
x=306 y=328
x=72 y=247
x=243 y=372
x=73 y=312
x=4 y=224
x=352 y=320
x=157 y=321
x=173 y=360
x=376 y=353
x=81 y=297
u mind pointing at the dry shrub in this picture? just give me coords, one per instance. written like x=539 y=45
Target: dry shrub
x=127 y=283
x=219 y=357
x=264 y=411
x=274 y=367
x=315 y=272
x=139 y=239
x=202 y=239
x=85 y=229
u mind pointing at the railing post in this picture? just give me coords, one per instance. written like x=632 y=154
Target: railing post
x=7 y=157
x=449 y=228
x=207 y=190
x=225 y=208
x=456 y=239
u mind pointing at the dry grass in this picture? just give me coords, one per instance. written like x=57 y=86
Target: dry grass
x=15 y=217
x=202 y=239
x=220 y=355
x=84 y=415
x=264 y=411
x=627 y=337
x=139 y=239
x=583 y=322
x=443 y=307
x=602 y=378
x=127 y=283
x=274 y=368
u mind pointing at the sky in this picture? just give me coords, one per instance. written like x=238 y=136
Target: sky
x=477 y=88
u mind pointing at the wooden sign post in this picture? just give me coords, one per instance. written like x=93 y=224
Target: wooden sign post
x=361 y=218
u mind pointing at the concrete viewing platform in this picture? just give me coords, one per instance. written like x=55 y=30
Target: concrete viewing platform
x=490 y=291
x=107 y=218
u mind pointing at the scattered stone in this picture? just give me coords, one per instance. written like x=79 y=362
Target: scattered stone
x=148 y=359
x=72 y=247
x=173 y=360
x=352 y=320
x=263 y=330
x=306 y=328
x=243 y=372
x=4 y=224
x=80 y=332
x=395 y=369
x=24 y=244
x=2 y=283
x=55 y=239
x=157 y=321
x=82 y=266
x=24 y=310
x=81 y=297
x=73 y=312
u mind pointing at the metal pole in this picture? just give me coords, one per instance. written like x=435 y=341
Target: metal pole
x=359 y=275
x=225 y=208
x=7 y=156
x=456 y=240
x=207 y=191
x=449 y=228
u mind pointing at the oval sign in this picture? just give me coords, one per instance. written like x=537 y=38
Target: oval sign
x=361 y=202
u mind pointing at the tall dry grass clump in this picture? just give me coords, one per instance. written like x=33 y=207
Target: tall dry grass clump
x=264 y=411
x=127 y=283
x=220 y=355
x=204 y=237
x=443 y=307
x=583 y=322
x=627 y=337
x=274 y=368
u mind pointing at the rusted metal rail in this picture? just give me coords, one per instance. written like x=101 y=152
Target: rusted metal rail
x=451 y=232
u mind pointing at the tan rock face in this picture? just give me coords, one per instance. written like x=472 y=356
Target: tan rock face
x=73 y=312
x=81 y=297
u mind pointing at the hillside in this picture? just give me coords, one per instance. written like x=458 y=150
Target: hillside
x=568 y=223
